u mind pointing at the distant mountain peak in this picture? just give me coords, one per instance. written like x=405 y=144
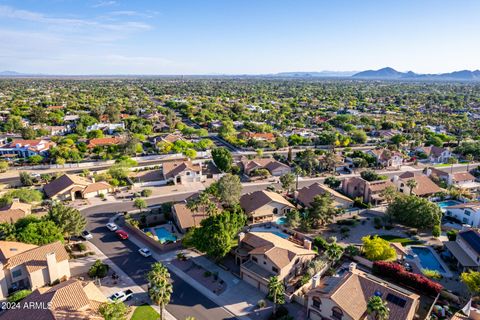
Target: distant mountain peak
x=390 y=73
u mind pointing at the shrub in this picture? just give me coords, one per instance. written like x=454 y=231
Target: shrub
x=352 y=250
x=305 y=278
x=320 y=243
x=376 y=248
x=98 y=269
x=452 y=235
x=281 y=313
x=19 y=295
x=432 y=274
x=81 y=246
x=261 y=303
x=146 y=193
x=398 y=273
x=436 y=231
x=207 y=274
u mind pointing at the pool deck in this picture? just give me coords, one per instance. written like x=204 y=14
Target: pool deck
x=169 y=227
x=416 y=260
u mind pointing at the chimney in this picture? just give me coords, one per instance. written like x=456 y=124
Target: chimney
x=241 y=235
x=16 y=200
x=93 y=179
x=307 y=244
x=352 y=267
x=316 y=280
x=428 y=172
x=52 y=266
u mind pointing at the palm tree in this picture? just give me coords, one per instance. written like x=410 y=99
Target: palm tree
x=159 y=286
x=276 y=291
x=412 y=184
x=389 y=194
x=298 y=171
x=334 y=252
x=377 y=308
x=469 y=157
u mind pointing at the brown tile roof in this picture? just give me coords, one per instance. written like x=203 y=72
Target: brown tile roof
x=67 y=180
x=356 y=288
x=172 y=169
x=433 y=151
x=35 y=259
x=279 y=250
x=267 y=163
x=463 y=176
x=259 y=135
x=69 y=300
x=186 y=218
x=377 y=186
x=96 y=186
x=11 y=248
x=92 y=143
x=257 y=199
x=171 y=138
x=425 y=186
x=306 y=194
x=11 y=215
x=36 y=145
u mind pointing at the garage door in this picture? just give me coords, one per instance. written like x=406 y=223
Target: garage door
x=250 y=280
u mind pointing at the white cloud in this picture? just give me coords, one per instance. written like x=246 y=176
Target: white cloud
x=104 y=4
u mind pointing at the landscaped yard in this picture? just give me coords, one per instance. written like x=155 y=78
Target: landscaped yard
x=144 y=312
x=402 y=240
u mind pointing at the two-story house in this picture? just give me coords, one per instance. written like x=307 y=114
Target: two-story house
x=306 y=195
x=462 y=180
x=345 y=297
x=435 y=154
x=423 y=185
x=273 y=166
x=181 y=172
x=27 y=148
x=387 y=158
x=465 y=250
x=467 y=213
x=262 y=255
x=367 y=191
x=26 y=266
x=263 y=206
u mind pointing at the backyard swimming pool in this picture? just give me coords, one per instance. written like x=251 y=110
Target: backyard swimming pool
x=447 y=203
x=427 y=259
x=275 y=231
x=164 y=235
x=281 y=221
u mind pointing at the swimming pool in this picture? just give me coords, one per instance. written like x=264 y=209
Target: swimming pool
x=164 y=235
x=281 y=221
x=447 y=203
x=427 y=259
x=275 y=231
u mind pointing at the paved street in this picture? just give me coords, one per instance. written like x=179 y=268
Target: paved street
x=186 y=301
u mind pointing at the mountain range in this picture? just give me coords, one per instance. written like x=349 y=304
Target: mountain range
x=380 y=74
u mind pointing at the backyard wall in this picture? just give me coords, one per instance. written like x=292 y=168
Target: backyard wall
x=153 y=244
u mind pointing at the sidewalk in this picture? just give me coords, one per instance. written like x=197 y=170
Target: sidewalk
x=108 y=286
x=239 y=299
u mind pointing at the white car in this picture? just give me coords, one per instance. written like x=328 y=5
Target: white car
x=121 y=296
x=145 y=252
x=112 y=226
x=86 y=235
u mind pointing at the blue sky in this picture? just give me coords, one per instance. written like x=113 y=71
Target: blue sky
x=237 y=36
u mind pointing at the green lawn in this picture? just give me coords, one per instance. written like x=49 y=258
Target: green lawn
x=144 y=313
x=402 y=240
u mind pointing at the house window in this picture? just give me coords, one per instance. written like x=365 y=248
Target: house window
x=316 y=303
x=255 y=259
x=337 y=313
x=187 y=173
x=275 y=211
x=274 y=269
x=467 y=213
x=296 y=261
x=17 y=273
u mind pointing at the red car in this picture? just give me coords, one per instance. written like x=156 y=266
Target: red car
x=122 y=234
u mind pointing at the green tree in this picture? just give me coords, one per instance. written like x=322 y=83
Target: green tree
x=321 y=210
x=378 y=309
x=19 y=295
x=414 y=212
x=40 y=233
x=334 y=252
x=389 y=193
x=332 y=182
x=26 y=179
x=140 y=204
x=288 y=181
x=35 y=159
x=472 y=281
x=293 y=219
x=25 y=195
x=113 y=310
x=159 y=286
x=411 y=184
x=28 y=133
x=3 y=166
x=223 y=159
x=376 y=248
x=229 y=189
x=216 y=234
x=276 y=291
x=69 y=220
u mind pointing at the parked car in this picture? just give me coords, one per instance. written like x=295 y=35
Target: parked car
x=121 y=296
x=86 y=235
x=122 y=234
x=145 y=252
x=112 y=226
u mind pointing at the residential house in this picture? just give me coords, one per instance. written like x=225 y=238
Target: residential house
x=185 y=219
x=306 y=195
x=71 y=187
x=69 y=300
x=368 y=191
x=107 y=127
x=27 y=148
x=463 y=180
x=273 y=166
x=258 y=136
x=435 y=154
x=346 y=297
x=169 y=138
x=102 y=142
x=387 y=158
x=467 y=213
x=26 y=266
x=262 y=206
x=424 y=186
x=465 y=250
x=54 y=130
x=181 y=172
x=14 y=211
x=262 y=255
